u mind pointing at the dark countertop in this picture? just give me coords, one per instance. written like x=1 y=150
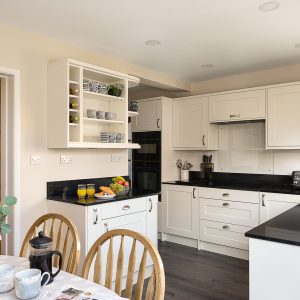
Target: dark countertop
x=285 y=228
x=281 y=189
x=133 y=193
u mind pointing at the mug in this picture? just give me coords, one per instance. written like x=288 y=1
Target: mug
x=91 y=113
x=28 y=283
x=100 y=114
x=7 y=273
x=184 y=175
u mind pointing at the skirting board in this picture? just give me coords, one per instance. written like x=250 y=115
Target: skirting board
x=220 y=249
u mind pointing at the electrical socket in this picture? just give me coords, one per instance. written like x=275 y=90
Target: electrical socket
x=115 y=158
x=35 y=159
x=66 y=159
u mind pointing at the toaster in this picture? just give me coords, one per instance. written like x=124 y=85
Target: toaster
x=296 y=179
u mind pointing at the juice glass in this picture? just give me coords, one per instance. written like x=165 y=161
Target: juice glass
x=81 y=191
x=90 y=190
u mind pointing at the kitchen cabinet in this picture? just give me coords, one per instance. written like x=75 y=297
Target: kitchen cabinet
x=72 y=90
x=191 y=130
x=273 y=204
x=139 y=214
x=150 y=116
x=180 y=212
x=283 y=108
x=237 y=106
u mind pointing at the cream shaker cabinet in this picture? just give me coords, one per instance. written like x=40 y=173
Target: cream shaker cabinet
x=283 y=108
x=180 y=213
x=149 y=118
x=237 y=106
x=191 y=130
x=273 y=204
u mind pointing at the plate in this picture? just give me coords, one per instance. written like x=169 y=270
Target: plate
x=105 y=196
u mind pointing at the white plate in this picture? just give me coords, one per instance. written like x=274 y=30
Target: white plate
x=105 y=196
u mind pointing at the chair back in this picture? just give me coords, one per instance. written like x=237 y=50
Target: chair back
x=93 y=264
x=65 y=238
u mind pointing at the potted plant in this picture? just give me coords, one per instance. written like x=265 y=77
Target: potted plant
x=115 y=89
x=4 y=212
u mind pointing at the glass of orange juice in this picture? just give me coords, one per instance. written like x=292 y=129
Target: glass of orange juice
x=81 y=191
x=90 y=190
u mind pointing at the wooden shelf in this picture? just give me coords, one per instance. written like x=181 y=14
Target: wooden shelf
x=103 y=95
x=103 y=121
x=132 y=113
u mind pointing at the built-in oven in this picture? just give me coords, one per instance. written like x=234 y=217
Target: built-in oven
x=146 y=161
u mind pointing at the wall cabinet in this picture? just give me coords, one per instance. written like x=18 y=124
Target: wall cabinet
x=271 y=204
x=190 y=125
x=149 y=118
x=74 y=88
x=283 y=108
x=238 y=106
x=138 y=214
x=180 y=213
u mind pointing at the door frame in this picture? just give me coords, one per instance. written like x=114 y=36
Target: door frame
x=10 y=152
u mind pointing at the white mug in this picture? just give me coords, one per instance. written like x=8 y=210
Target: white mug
x=185 y=175
x=28 y=283
x=7 y=273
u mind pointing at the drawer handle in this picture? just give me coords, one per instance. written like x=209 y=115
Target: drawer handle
x=194 y=190
x=226 y=227
x=263 y=200
x=225 y=204
x=151 y=205
x=126 y=207
x=95 y=217
x=234 y=116
x=106 y=226
x=225 y=194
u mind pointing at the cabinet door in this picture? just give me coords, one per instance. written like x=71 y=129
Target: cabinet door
x=272 y=205
x=149 y=118
x=180 y=210
x=248 y=105
x=283 y=108
x=190 y=122
x=152 y=219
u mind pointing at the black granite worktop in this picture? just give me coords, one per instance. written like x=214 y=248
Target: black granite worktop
x=66 y=191
x=284 y=228
x=240 y=181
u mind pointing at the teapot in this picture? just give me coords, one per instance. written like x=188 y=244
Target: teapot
x=41 y=255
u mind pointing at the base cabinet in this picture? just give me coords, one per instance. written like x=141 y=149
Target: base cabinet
x=180 y=211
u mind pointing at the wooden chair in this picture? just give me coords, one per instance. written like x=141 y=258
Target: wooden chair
x=65 y=238
x=156 y=285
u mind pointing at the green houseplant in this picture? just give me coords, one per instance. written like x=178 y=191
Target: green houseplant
x=115 y=89
x=4 y=212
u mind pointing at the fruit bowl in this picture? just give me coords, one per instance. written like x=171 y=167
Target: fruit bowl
x=124 y=192
x=119 y=186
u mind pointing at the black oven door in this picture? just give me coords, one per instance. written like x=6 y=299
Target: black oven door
x=150 y=143
x=146 y=176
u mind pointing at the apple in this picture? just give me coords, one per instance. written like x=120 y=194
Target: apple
x=126 y=183
x=120 y=182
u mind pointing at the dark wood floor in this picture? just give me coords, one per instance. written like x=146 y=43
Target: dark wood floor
x=203 y=275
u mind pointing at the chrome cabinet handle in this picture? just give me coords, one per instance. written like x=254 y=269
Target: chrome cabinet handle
x=225 y=194
x=194 y=190
x=95 y=216
x=203 y=140
x=157 y=122
x=106 y=226
x=263 y=200
x=226 y=227
x=151 y=205
x=234 y=116
x=126 y=207
x=225 y=204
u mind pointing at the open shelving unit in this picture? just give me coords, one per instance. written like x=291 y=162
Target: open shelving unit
x=68 y=102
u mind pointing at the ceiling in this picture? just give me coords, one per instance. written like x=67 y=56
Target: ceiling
x=233 y=35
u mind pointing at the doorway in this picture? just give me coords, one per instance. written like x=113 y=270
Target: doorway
x=10 y=153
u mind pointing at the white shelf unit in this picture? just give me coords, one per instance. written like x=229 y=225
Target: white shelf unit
x=65 y=86
x=132 y=113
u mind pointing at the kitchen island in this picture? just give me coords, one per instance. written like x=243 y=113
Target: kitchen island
x=274 y=257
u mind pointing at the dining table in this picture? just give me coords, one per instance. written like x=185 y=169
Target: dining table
x=61 y=282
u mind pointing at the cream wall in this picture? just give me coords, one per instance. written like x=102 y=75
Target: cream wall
x=30 y=54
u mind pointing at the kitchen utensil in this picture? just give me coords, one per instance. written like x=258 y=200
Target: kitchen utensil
x=179 y=163
x=41 y=255
x=184 y=175
x=28 y=283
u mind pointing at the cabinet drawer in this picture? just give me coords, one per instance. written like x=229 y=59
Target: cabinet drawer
x=230 y=195
x=120 y=208
x=232 y=212
x=224 y=234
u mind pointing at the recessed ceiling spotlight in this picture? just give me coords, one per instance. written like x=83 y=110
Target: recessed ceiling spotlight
x=269 y=6
x=207 y=66
x=153 y=43
x=297 y=45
